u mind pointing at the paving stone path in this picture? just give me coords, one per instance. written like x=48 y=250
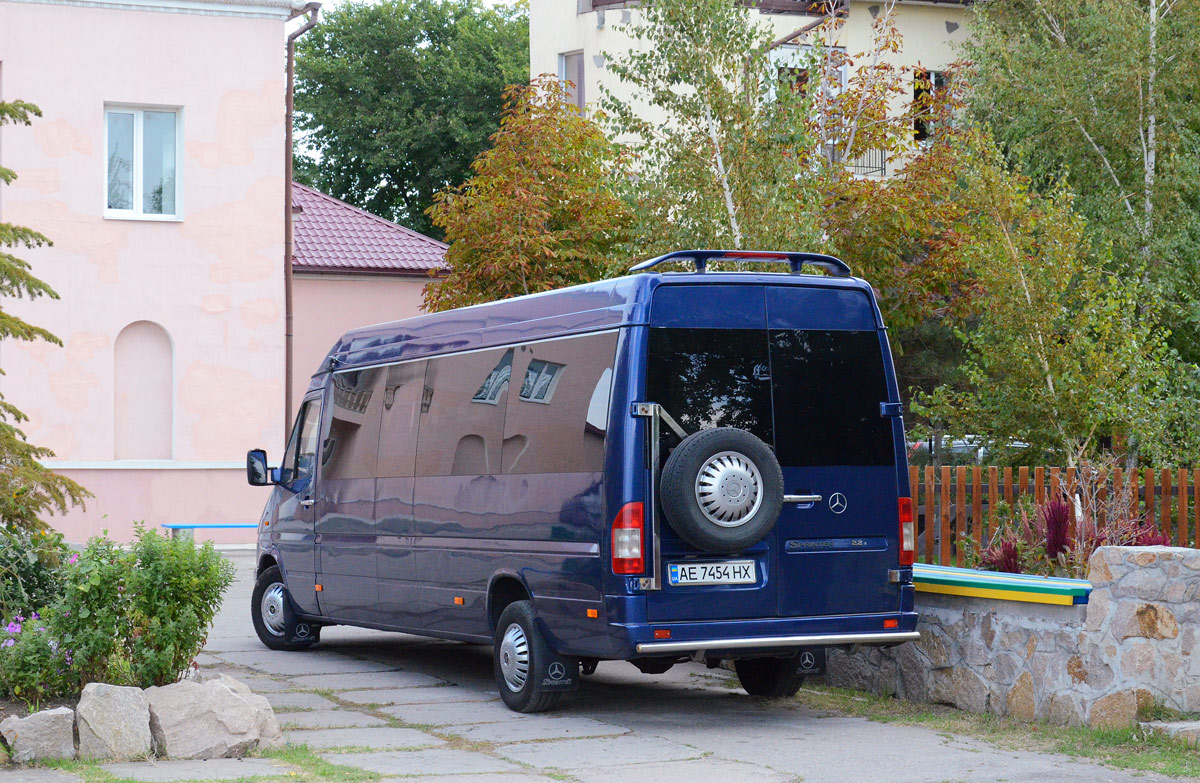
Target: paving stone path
x=414 y=710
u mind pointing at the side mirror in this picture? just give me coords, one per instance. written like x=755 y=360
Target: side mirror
x=257 y=472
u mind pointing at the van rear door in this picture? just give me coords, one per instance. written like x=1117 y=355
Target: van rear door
x=804 y=369
x=708 y=365
x=828 y=380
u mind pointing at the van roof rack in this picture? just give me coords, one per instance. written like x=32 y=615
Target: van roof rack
x=834 y=266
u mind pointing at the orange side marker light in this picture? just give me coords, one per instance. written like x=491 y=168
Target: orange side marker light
x=593 y=613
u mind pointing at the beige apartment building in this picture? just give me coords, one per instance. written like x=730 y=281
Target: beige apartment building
x=576 y=39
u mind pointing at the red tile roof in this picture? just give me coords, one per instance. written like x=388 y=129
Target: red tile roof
x=331 y=236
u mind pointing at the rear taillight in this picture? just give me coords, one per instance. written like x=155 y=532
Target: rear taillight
x=908 y=533
x=627 y=538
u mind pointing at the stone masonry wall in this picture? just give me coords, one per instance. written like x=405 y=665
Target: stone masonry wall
x=1130 y=646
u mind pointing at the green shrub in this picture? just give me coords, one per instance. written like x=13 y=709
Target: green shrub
x=29 y=564
x=134 y=616
x=34 y=664
x=175 y=590
x=92 y=616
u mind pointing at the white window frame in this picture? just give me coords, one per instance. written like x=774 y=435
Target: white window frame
x=138 y=111
x=803 y=57
x=563 y=76
x=553 y=369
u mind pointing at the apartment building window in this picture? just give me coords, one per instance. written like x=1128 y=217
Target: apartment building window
x=797 y=66
x=142 y=162
x=927 y=86
x=570 y=71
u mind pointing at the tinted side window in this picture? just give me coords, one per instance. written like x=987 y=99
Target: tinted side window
x=352 y=425
x=708 y=378
x=300 y=459
x=462 y=418
x=558 y=411
x=828 y=386
x=404 y=390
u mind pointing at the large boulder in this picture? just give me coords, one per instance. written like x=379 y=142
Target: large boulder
x=220 y=718
x=113 y=722
x=49 y=734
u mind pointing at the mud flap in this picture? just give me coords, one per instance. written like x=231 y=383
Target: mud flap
x=810 y=661
x=304 y=632
x=554 y=672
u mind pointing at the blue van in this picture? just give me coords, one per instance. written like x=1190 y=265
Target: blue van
x=663 y=467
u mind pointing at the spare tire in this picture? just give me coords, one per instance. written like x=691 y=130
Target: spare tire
x=722 y=490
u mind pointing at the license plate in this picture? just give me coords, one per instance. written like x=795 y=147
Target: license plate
x=730 y=572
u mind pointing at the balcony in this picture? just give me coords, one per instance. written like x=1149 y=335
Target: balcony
x=872 y=163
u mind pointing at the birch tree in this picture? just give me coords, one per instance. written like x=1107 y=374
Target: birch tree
x=1059 y=357
x=1102 y=95
x=722 y=148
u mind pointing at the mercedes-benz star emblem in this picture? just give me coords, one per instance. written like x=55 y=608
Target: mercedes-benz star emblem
x=837 y=502
x=557 y=671
x=807 y=660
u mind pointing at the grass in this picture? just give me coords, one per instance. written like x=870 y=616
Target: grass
x=1160 y=712
x=1120 y=748
x=317 y=769
x=307 y=767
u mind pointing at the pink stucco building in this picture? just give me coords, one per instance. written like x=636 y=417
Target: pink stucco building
x=157 y=170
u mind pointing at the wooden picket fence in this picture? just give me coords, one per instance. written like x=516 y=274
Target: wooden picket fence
x=956 y=503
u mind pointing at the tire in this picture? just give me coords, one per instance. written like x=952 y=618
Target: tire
x=518 y=654
x=274 y=618
x=722 y=490
x=774 y=678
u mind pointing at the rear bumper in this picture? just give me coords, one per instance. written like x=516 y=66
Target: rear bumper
x=777 y=642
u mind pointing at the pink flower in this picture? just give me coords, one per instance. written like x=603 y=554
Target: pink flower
x=14 y=627
x=74 y=559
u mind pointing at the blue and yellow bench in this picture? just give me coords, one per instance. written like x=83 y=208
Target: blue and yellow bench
x=994 y=584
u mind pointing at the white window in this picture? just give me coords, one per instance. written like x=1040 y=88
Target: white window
x=142 y=162
x=496 y=382
x=570 y=71
x=540 y=380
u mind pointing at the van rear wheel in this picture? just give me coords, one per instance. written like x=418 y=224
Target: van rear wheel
x=774 y=678
x=722 y=490
x=274 y=619
x=520 y=653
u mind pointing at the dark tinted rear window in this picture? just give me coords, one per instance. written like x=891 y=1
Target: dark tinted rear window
x=709 y=378
x=828 y=386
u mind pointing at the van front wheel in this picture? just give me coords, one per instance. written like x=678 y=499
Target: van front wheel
x=775 y=678
x=274 y=619
x=520 y=652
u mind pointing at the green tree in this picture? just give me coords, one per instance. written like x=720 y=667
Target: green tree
x=722 y=148
x=27 y=489
x=394 y=100
x=1102 y=95
x=1058 y=357
x=541 y=208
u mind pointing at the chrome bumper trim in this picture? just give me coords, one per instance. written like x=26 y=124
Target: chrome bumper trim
x=810 y=640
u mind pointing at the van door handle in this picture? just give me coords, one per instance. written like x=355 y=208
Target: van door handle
x=801 y=498
x=307 y=502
